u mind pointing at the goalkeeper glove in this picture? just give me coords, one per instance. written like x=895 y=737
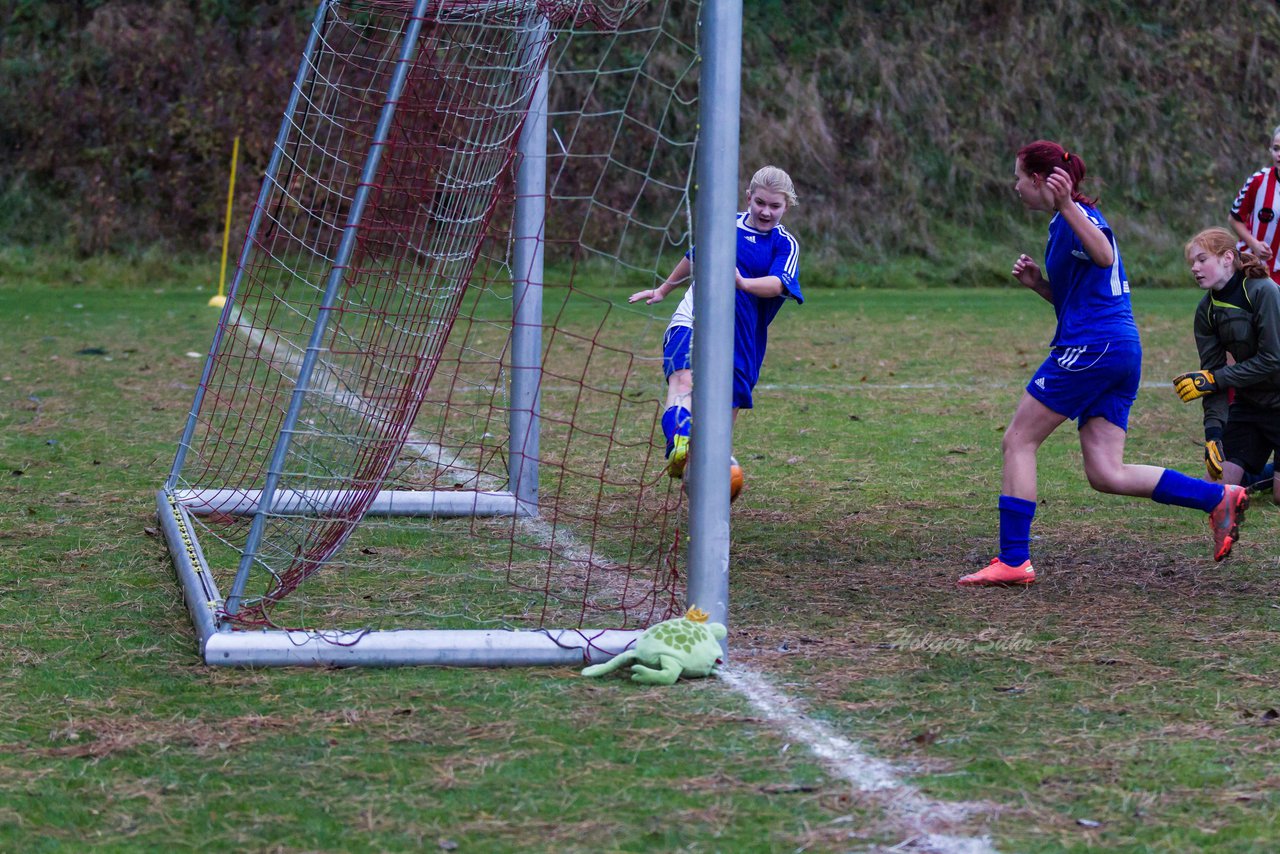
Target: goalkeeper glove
x=1213 y=458
x=1195 y=384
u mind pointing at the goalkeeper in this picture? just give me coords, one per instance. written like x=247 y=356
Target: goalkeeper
x=1092 y=373
x=1239 y=317
x=768 y=274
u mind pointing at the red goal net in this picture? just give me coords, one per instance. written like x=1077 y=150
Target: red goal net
x=350 y=459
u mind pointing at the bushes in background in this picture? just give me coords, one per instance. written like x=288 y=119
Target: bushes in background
x=898 y=120
x=118 y=117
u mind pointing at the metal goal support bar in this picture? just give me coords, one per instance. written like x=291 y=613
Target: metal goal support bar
x=388 y=502
x=445 y=647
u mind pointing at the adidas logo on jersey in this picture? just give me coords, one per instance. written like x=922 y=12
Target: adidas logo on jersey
x=1040 y=383
x=751 y=238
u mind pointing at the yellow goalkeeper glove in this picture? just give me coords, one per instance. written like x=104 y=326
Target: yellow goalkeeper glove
x=1213 y=458
x=1194 y=385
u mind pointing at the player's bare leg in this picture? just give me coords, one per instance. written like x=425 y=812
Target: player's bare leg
x=1102 y=444
x=1031 y=424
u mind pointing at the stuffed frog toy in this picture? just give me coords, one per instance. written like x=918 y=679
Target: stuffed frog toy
x=685 y=646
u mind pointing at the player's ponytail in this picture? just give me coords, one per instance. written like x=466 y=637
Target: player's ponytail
x=1253 y=266
x=1040 y=158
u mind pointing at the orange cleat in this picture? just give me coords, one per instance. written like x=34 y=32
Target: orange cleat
x=1000 y=574
x=1225 y=519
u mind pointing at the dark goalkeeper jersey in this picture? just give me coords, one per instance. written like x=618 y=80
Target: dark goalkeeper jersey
x=1242 y=319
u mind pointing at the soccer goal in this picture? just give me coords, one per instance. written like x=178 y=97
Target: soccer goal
x=426 y=431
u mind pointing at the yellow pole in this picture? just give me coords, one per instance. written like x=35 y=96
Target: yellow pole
x=221 y=299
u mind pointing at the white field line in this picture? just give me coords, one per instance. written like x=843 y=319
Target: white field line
x=910 y=812
x=286 y=358
x=567 y=547
x=923 y=822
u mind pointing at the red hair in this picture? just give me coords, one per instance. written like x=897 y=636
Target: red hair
x=1218 y=241
x=1039 y=158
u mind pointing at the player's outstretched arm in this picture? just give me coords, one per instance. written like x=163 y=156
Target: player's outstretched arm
x=678 y=276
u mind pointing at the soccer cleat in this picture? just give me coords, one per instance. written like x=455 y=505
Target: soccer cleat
x=679 y=456
x=736 y=480
x=1000 y=574
x=1225 y=519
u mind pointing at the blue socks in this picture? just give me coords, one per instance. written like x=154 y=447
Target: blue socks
x=1268 y=472
x=1181 y=491
x=1173 y=488
x=676 y=421
x=1015 y=529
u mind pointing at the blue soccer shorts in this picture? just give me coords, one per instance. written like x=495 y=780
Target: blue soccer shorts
x=677 y=350
x=677 y=355
x=1093 y=381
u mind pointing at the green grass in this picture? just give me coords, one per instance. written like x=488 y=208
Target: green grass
x=1133 y=683
x=1132 y=687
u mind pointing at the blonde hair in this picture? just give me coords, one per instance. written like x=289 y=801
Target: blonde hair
x=774 y=180
x=1218 y=241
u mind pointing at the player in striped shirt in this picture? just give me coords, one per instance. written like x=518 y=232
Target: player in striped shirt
x=1255 y=210
x=768 y=274
x=1091 y=375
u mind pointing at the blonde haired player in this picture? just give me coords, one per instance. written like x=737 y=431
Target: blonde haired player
x=767 y=275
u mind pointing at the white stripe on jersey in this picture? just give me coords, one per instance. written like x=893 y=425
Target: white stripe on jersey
x=1264 y=197
x=1119 y=286
x=793 y=254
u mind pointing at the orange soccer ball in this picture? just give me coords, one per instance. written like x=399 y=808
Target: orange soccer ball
x=736 y=480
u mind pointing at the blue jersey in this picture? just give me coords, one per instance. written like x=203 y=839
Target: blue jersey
x=762 y=253
x=1091 y=302
x=759 y=253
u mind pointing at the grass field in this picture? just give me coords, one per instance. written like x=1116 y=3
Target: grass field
x=1127 y=702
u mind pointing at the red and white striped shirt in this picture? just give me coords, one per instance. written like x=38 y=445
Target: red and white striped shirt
x=1257 y=206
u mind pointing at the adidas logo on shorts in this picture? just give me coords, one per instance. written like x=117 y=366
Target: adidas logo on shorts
x=1040 y=383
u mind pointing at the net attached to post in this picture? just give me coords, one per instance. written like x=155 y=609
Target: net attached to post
x=348 y=464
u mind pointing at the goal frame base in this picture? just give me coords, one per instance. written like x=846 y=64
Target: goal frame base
x=220 y=645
